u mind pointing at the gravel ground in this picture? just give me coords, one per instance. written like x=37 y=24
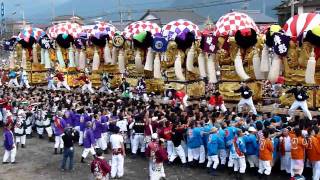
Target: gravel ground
x=37 y=162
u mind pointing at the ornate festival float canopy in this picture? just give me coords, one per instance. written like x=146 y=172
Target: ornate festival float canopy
x=238 y=52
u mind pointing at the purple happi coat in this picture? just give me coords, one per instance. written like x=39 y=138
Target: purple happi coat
x=88 y=138
x=58 y=126
x=8 y=139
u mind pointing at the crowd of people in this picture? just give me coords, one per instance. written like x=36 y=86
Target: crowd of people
x=167 y=131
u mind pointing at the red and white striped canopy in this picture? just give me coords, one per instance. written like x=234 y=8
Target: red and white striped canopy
x=72 y=29
x=140 y=26
x=174 y=28
x=230 y=23
x=299 y=24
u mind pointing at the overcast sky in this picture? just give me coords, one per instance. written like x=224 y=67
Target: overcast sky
x=41 y=11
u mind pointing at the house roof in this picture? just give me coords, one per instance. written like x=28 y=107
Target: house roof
x=258 y=16
x=309 y=3
x=66 y=17
x=261 y=18
x=166 y=16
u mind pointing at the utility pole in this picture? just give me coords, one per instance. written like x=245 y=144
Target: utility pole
x=53 y=9
x=264 y=6
x=292 y=3
x=120 y=12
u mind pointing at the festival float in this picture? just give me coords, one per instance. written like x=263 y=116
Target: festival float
x=300 y=64
x=181 y=66
x=27 y=53
x=238 y=55
x=101 y=52
x=63 y=58
x=140 y=55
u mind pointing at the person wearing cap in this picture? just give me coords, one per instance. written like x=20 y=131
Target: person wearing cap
x=237 y=153
x=88 y=142
x=298 y=145
x=87 y=84
x=58 y=125
x=301 y=97
x=118 y=153
x=285 y=150
x=152 y=147
x=10 y=149
x=252 y=147
x=265 y=154
x=246 y=98
x=212 y=150
x=100 y=167
x=216 y=102
x=62 y=81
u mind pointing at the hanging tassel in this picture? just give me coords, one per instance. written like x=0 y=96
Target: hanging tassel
x=149 y=60
x=190 y=57
x=311 y=69
x=211 y=69
x=42 y=56
x=138 y=61
x=239 y=67
x=122 y=63
x=264 y=64
x=107 y=54
x=71 y=57
x=96 y=60
x=24 y=59
x=82 y=59
x=275 y=69
x=114 y=55
x=11 y=60
x=47 y=60
x=178 y=68
x=60 y=57
x=76 y=58
x=202 y=65
x=157 y=67
x=257 y=66
x=35 y=54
